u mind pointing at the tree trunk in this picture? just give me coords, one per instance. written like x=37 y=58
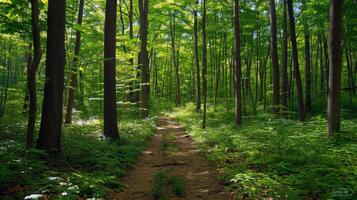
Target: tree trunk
x=204 y=64
x=308 y=70
x=145 y=75
x=299 y=90
x=32 y=71
x=238 y=67
x=274 y=58
x=335 y=61
x=73 y=81
x=110 y=112
x=51 y=120
x=197 y=61
x=174 y=60
x=284 y=99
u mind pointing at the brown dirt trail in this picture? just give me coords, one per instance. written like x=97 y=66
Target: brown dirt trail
x=173 y=151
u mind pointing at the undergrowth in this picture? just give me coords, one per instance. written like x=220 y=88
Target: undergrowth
x=165 y=184
x=88 y=166
x=277 y=157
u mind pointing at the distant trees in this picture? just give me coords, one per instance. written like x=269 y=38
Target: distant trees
x=335 y=60
x=32 y=70
x=51 y=119
x=237 y=63
x=110 y=112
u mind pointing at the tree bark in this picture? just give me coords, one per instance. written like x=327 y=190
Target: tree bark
x=285 y=88
x=145 y=75
x=51 y=120
x=197 y=61
x=299 y=90
x=110 y=112
x=238 y=67
x=204 y=64
x=335 y=62
x=274 y=58
x=32 y=71
x=174 y=59
x=73 y=81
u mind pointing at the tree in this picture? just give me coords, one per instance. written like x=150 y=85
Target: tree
x=174 y=60
x=51 y=119
x=197 y=60
x=74 y=75
x=308 y=83
x=335 y=61
x=238 y=65
x=110 y=112
x=274 y=58
x=204 y=63
x=300 y=95
x=145 y=75
x=31 y=72
x=284 y=85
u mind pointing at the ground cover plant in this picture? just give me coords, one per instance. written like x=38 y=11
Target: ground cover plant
x=279 y=158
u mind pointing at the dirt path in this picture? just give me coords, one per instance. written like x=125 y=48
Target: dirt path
x=173 y=152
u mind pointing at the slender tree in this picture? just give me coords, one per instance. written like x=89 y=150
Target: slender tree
x=51 y=119
x=238 y=65
x=110 y=112
x=174 y=58
x=197 y=60
x=204 y=63
x=145 y=74
x=335 y=61
x=31 y=72
x=284 y=85
x=299 y=90
x=274 y=58
x=74 y=74
x=308 y=83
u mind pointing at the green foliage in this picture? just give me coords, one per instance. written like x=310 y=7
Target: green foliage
x=277 y=157
x=88 y=166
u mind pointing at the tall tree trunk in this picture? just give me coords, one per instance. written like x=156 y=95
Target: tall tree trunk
x=32 y=71
x=73 y=81
x=335 y=60
x=145 y=75
x=308 y=70
x=110 y=112
x=274 y=58
x=284 y=99
x=51 y=120
x=299 y=90
x=238 y=67
x=204 y=63
x=174 y=59
x=197 y=60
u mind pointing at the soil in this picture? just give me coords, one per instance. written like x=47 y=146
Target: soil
x=173 y=151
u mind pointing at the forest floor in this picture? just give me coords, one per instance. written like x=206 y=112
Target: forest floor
x=172 y=168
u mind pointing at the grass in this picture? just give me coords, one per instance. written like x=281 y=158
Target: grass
x=165 y=184
x=88 y=166
x=275 y=157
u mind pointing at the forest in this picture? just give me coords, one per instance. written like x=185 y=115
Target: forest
x=178 y=99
